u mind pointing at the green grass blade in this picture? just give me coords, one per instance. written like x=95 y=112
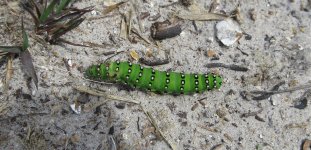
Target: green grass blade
x=25 y=37
x=47 y=11
x=63 y=4
x=11 y=49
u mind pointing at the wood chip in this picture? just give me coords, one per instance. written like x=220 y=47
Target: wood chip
x=211 y=53
x=134 y=55
x=306 y=145
x=9 y=71
x=123 y=29
x=164 y=30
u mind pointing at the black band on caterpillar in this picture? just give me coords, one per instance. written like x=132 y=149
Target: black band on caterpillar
x=153 y=80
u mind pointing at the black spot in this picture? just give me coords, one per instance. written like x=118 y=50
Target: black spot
x=182 y=75
x=196 y=76
x=206 y=81
x=167 y=74
x=167 y=80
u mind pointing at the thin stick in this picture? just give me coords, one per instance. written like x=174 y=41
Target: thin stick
x=232 y=66
x=101 y=94
x=152 y=121
x=24 y=115
x=9 y=72
x=307 y=86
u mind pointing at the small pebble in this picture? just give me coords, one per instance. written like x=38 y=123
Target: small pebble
x=210 y=39
x=228 y=31
x=260 y=136
x=93 y=12
x=69 y=63
x=76 y=109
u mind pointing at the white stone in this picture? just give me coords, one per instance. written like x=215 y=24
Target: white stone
x=93 y=12
x=228 y=31
x=76 y=109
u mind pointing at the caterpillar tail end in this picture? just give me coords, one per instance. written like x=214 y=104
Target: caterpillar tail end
x=91 y=72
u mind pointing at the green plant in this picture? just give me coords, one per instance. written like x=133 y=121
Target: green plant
x=54 y=19
x=153 y=80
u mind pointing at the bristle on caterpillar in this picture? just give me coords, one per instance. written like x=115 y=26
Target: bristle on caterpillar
x=146 y=78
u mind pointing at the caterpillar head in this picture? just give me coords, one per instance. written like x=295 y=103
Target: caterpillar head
x=91 y=72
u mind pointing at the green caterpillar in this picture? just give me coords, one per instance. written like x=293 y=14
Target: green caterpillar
x=153 y=80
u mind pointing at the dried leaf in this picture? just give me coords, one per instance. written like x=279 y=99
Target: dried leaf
x=36 y=7
x=63 y=17
x=134 y=55
x=71 y=25
x=9 y=71
x=123 y=29
x=136 y=32
x=112 y=7
x=11 y=49
x=28 y=67
x=202 y=16
x=33 y=15
x=149 y=53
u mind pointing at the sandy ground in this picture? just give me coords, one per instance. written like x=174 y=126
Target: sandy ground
x=278 y=50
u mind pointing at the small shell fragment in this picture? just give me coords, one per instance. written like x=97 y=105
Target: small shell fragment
x=76 y=108
x=228 y=31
